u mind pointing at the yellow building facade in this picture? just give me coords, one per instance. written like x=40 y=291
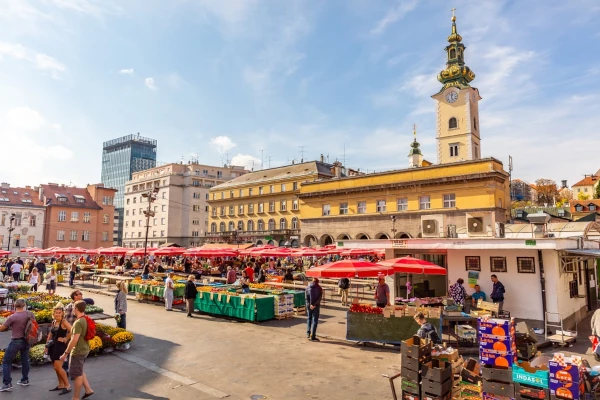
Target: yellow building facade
x=262 y=207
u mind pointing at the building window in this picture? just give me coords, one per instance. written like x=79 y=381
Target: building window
x=222 y=211
x=195 y=233
x=283 y=205
x=139 y=236
x=127 y=201
x=294 y=223
x=343 y=208
x=73 y=235
x=251 y=208
x=241 y=209
x=105 y=219
x=402 y=204
x=282 y=224
x=126 y=224
x=231 y=195
x=219 y=174
x=86 y=236
x=260 y=190
x=452 y=53
x=526 y=265
x=60 y=235
x=381 y=206
x=62 y=216
x=326 y=209
x=261 y=207
x=213 y=227
x=231 y=210
x=126 y=234
x=424 y=203
x=260 y=226
x=222 y=227
x=476 y=150
x=240 y=225
x=214 y=211
x=452 y=123
x=498 y=264
x=592 y=207
x=105 y=236
x=32 y=220
x=87 y=217
x=134 y=200
x=449 y=200
x=222 y=195
x=474 y=123
x=473 y=263
x=453 y=150
x=162 y=233
x=295 y=204
x=272 y=189
x=107 y=200
x=133 y=224
x=195 y=207
x=196 y=195
x=250 y=192
x=362 y=207
x=154 y=222
x=231 y=226
x=162 y=221
x=241 y=192
x=271 y=206
x=271 y=224
x=283 y=187
x=164 y=195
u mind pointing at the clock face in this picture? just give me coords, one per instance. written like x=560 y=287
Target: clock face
x=451 y=97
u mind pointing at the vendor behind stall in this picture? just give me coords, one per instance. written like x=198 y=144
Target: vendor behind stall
x=478 y=295
x=382 y=293
x=426 y=331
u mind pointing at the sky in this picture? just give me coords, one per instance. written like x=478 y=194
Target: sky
x=254 y=82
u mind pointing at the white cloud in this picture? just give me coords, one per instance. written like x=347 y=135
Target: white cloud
x=231 y=12
x=40 y=60
x=149 y=82
x=45 y=62
x=247 y=161
x=24 y=119
x=222 y=144
x=175 y=81
x=96 y=8
x=394 y=14
x=127 y=71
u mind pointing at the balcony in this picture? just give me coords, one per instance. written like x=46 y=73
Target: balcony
x=278 y=232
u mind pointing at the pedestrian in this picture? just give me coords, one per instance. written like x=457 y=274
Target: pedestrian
x=231 y=276
x=426 y=330
x=56 y=344
x=169 y=286
x=262 y=274
x=245 y=281
x=249 y=272
x=15 y=269
x=72 y=272
x=77 y=350
x=146 y=271
x=128 y=264
x=190 y=294
x=344 y=287
x=51 y=279
x=595 y=322
x=18 y=323
x=121 y=304
x=34 y=279
x=382 y=293
x=313 y=294
x=498 y=291
x=458 y=292
x=289 y=276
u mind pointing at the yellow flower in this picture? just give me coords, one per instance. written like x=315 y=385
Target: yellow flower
x=123 y=337
x=95 y=344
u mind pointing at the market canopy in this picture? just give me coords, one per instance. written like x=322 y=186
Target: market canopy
x=4 y=253
x=46 y=252
x=411 y=265
x=309 y=251
x=169 y=251
x=210 y=252
x=349 y=269
x=70 y=250
x=113 y=251
x=140 y=252
x=30 y=249
x=358 y=252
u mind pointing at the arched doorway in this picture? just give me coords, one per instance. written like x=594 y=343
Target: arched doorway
x=259 y=242
x=382 y=235
x=362 y=236
x=402 y=235
x=271 y=242
x=326 y=240
x=343 y=236
x=310 y=240
x=295 y=243
x=281 y=243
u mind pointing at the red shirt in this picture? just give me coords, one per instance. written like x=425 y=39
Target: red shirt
x=250 y=273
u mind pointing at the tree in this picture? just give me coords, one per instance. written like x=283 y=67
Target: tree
x=597 y=192
x=547 y=191
x=581 y=196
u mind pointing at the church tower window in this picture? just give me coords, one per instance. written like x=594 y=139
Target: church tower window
x=453 y=123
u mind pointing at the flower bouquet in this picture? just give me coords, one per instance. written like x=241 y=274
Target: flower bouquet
x=95 y=345
x=122 y=339
x=118 y=317
x=36 y=354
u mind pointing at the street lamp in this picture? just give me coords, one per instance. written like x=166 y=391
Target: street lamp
x=393 y=227
x=151 y=196
x=10 y=228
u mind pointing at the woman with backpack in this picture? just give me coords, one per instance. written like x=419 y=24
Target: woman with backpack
x=56 y=344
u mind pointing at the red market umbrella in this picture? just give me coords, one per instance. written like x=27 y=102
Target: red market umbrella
x=349 y=269
x=4 y=253
x=92 y=251
x=412 y=265
x=169 y=251
x=308 y=252
x=113 y=251
x=140 y=252
x=46 y=252
x=30 y=249
x=358 y=252
x=70 y=250
x=199 y=252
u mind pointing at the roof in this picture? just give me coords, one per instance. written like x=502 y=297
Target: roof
x=273 y=174
x=589 y=180
x=586 y=205
x=56 y=192
x=241 y=246
x=557 y=229
x=20 y=197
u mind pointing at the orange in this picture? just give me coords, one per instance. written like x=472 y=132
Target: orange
x=498 y=331
x=499 y=346
x=501 y=362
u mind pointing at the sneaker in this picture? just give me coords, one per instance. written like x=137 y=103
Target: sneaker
x=308 y=336
x=315 y=339
x=6 y=387
x=23 y=382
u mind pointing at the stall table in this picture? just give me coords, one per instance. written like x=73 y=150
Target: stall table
x=112 y=278
x=247 y=307
x=365 y=327
x=152 y=290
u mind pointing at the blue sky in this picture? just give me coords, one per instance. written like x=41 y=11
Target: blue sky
x=231 y=78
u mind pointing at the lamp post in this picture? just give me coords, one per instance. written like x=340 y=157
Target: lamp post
x=150 y=196
x=393 y=227
x=11 y=228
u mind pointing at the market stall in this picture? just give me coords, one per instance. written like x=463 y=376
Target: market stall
x=250 y=307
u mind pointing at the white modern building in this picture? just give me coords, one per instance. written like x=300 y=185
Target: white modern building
x=179 y=211
x=21 y=218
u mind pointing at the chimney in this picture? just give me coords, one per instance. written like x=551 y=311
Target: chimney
x=322 y=158
x=564 y=184
x=337 y=169
x=5 y=185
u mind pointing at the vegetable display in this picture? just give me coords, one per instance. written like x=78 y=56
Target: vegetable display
x=365 y=308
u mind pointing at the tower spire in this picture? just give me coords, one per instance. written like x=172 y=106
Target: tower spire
x=415 y=158
x=456 y=72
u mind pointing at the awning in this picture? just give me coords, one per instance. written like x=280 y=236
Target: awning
x=592 y=253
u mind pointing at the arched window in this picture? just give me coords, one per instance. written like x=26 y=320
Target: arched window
x=240 y=225
x=452 y=53
x=213 y=227
x=453 y=123
x=282 y=224
x=475 y=123
x=260 y=226
x=222 y=227
x=271 y=224
x=231 y=226
x=250 y=225
x=294 y=223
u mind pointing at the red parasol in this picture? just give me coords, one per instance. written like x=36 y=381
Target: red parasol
x=308 y=251
x=208 y=252
x=140 y=252
x=113 y=251
x=4 y=253
x=349 y=269
x=358 y=252
x=30 y=249
x=169 y=251
x=412 y=265
x=92 y=251
x=70 y=250
x=46 y=252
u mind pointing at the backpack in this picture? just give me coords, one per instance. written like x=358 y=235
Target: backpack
x=91 y=328
x=33 y=334
x=344 y=283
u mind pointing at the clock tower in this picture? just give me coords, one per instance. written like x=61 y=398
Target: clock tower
x=457 y=111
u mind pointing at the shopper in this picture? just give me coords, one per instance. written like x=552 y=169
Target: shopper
x=34 y=279
x=169 y=286
x=51 y=279
x=121 y=304
x=77 y=350
x=56 y=344
x=595 y=322
x=262 y=274
x=245 y=282
x=190 y=294
x=458 y=292
x=15 y=269
x=18 y=323
x=382 y=293
x=344 y=287
x=72 y=272
x=249 y=272
x=231 y=276
x=498 y=291
x=314 y=294
x=289 y=276
x=426 y=330
x=146 y=271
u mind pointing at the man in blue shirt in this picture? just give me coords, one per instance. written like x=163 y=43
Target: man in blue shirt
x=478 y=295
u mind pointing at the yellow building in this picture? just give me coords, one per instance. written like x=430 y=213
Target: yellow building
x=262 y=207
x=462 y=194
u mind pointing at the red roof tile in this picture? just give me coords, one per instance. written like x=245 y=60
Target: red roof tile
x=22 y=197
x=587 y=181
x=71 y=195
x=585 y=204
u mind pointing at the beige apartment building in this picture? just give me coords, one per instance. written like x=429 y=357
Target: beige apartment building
x=179 y=212
x=21 y=218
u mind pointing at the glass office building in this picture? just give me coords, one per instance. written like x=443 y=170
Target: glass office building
x=120 y=158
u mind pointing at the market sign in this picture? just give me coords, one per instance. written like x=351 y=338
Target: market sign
x=268 y=237
x=530 y=242
x=340 y=244
x=399 y=243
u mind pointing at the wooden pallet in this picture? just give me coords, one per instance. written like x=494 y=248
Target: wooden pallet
x=299 y=310
x=283 y=316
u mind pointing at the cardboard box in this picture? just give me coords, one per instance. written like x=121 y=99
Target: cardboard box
x=465 y=331
x=416 y=347
x=427 y=396
x=450 y=357
x=497 y=374
x=524 y=333
x=525 y=373
x=437 y=371
x=499 y=389
x=410 y=396
x=491 y=396
x=435 y=312
x=497 y=343
x=410 y=374
x=497 y=327
x=526 y=351
x=567 y=373
x=411 y=386
x=413 y=363
x=457 y=366
x=471 y=371
x=497 y=359
x=566 y=390
x=530 y=392
x=469 y=389
x=436 y=388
